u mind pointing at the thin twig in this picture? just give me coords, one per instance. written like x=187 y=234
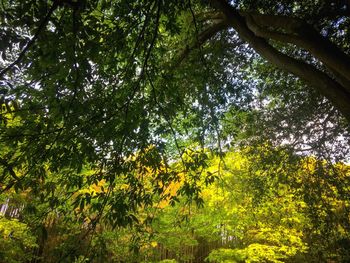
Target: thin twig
x=32 y=41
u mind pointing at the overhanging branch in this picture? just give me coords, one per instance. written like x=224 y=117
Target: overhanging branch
x=316 y=78
x=303 y=35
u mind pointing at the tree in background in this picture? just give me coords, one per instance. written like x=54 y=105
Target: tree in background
x=265 y=207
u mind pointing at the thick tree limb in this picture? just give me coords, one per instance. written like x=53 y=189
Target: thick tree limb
x=304 y=36
x=270 y=34
x=343 y=81
x=287 y=23
x=316 y=78
x=325 y=57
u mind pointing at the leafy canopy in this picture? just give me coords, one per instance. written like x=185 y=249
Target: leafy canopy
x=112 y=91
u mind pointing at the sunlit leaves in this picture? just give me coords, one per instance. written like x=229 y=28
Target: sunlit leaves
x=16 y=240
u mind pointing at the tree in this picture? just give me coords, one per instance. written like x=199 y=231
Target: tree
x=318 y=29
x=268 y=206
x=91 y=83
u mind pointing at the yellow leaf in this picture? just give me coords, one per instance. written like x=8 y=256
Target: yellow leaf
x=154 y=244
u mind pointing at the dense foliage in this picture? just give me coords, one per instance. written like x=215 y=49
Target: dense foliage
x=150 y=130
x=288 y=209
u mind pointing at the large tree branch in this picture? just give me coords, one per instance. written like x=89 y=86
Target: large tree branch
x=300 y=33
x=319 y=80
x=289 y=24
x=270 y=34
x=338 y=77
x=324 y=56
